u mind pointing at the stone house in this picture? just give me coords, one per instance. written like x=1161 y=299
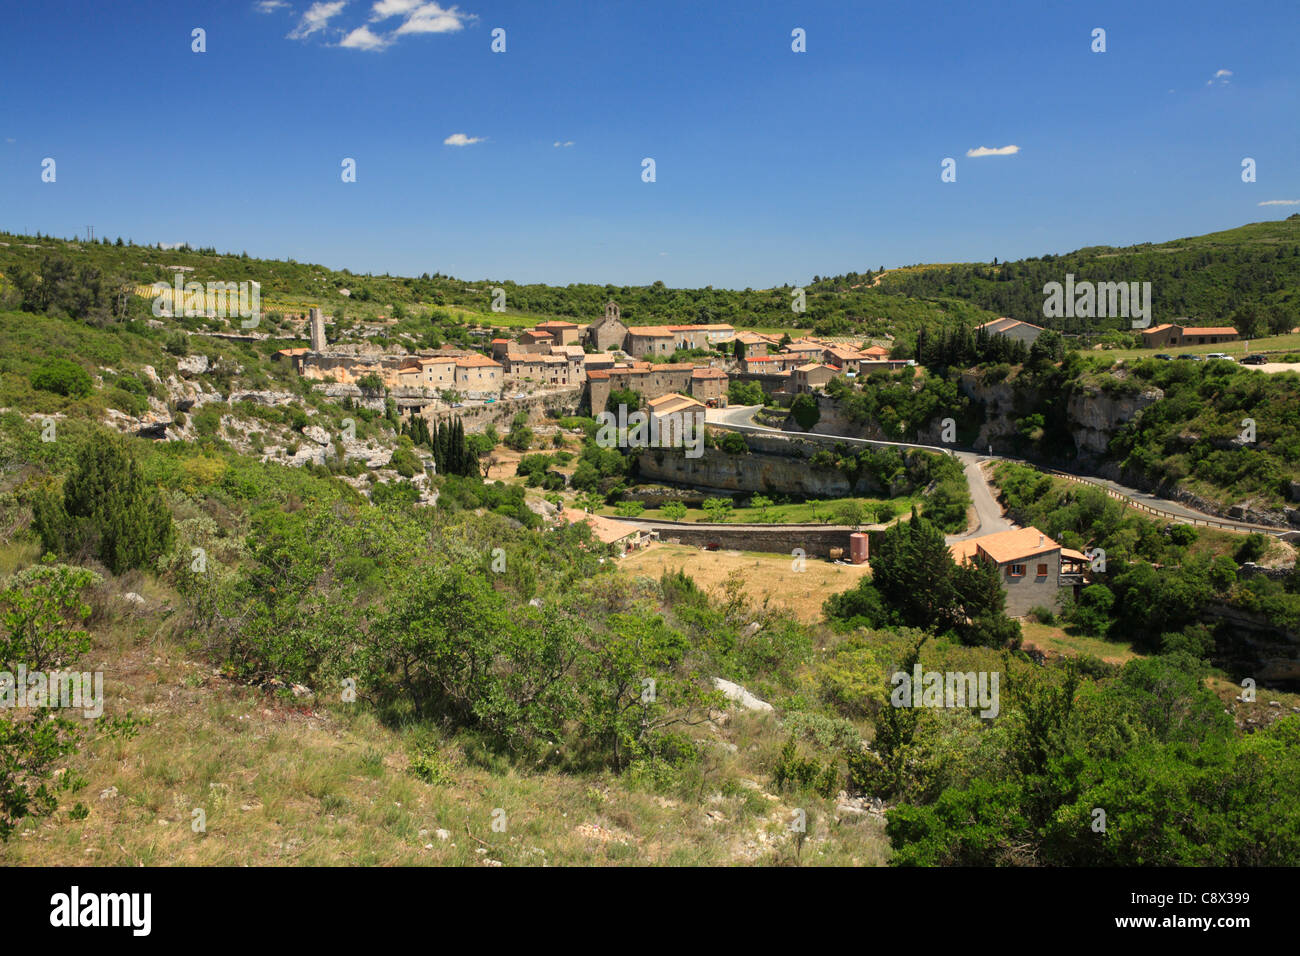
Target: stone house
x=651 y=381
x=562 y=333
x=534 y=341
x=648 y=340
x=478 y=373
x=1033 y=569
x=814 y=375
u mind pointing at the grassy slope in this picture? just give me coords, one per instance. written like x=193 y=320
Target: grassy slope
x=1217 y=277
x=313 y=781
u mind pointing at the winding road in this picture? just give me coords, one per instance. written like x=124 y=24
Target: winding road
x=988 y=513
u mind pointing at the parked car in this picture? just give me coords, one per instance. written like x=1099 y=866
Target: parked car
x=1164 y=357
x=1220 y=357
x=1255 y=360
x=1191 y=358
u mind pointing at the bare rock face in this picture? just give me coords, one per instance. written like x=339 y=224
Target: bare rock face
x=740 y=696
x=1095 y=414
x=374 y=455
x=152 y=424
x=189 y=395
x=317 y=434
x=192 y=364
x=263 y=397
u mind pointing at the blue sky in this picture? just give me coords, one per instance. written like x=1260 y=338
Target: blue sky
x=771 y=166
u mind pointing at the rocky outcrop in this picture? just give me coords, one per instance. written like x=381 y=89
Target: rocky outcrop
x=263 y=397
x=1247 y=645
x=1095 y=414
x=192 y=364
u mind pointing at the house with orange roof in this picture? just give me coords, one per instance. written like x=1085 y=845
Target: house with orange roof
x=845 y=359
x=478 y=373
x=564 y=333
x=1171 y=334
x=534 y=341
x=1033 y=569
x=754 y=344
x=814 y=375
x=626 y=537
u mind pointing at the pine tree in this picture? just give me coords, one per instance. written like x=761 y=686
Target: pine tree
x=107 y=509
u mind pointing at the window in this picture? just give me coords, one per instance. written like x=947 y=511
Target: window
x=1042 y=570
x=1016 y=571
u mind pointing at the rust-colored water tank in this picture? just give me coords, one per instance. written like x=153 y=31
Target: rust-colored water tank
x=858 y=547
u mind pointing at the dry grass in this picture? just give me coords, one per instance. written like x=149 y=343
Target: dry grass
x=1053 y=640
x=311 y=782
x=769 y=578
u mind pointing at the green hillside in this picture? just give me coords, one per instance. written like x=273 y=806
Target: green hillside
x=1248 y=277
x=97 y=271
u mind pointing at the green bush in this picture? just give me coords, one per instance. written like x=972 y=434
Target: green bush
x=106 y=509
x=63 y=378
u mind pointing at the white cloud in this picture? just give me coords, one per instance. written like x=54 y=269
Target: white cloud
x=391 y=8
x=10 y=139
x=992 y=151
x=565 y=143
x=316 y=18
x=170 y=245
x=431 y=18
x=362 y=39
x=1281 y=202
x=460 y=139
x=1221 y=76
x=270 y=6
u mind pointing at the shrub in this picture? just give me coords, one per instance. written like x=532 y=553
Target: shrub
x=673 y=511
x=1251 y=549
x=63 y=378
x=806 y=411
x=105 y=509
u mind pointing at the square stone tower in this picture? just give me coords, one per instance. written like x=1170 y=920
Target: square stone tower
x=317 y=322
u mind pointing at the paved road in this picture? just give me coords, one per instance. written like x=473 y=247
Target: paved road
x=987 y=510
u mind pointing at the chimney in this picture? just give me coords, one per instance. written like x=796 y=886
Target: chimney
x=1041 y=539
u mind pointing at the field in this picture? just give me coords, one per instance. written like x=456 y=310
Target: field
x=803 y=512
x=767 y=577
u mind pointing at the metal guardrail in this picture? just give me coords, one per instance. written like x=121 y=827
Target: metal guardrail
x=1162 y=513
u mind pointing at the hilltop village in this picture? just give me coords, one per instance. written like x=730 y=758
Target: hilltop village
x=602 y=358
